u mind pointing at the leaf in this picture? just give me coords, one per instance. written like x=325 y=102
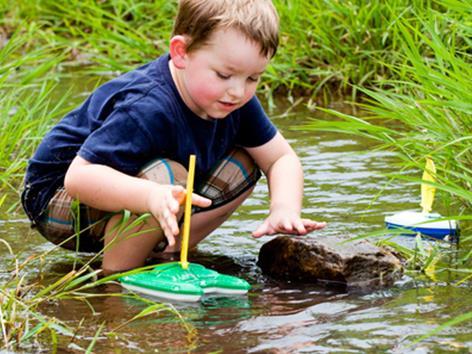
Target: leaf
x=455 y=321
x=430 y=269
x=95 y=338
x=81 y=279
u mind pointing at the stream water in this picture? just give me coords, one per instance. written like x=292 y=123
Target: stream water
x=343 y=178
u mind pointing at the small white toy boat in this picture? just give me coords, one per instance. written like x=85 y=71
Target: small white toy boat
x=423 y=223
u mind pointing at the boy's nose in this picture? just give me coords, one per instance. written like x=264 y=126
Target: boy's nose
x=236 y=90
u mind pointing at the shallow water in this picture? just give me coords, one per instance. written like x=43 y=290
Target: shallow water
x=343 y=178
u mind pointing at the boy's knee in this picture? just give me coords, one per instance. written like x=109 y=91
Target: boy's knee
x=244 y=160
x=234 y=175
x=165 y=171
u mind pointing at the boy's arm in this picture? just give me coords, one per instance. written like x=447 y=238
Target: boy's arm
x=105 y=188
x=284 y=172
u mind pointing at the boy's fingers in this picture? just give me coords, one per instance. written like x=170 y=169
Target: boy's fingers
x=171 y=231
x=173 y=203
x=168 y=222
x=172 y=222
x=263 y=229
x=320 y=225
x=287 y=226
x=301 y=230
x=166 y=230
x=260 y=231
x=170 y=238
x=313 y=225
x=174 y=206
x=178 y=192
x=200 y=201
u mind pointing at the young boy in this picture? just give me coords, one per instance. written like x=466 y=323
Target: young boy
x=126 y=146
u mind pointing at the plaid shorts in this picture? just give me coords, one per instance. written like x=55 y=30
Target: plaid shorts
x=76 y=226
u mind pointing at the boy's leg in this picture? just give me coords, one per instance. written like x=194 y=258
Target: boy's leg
x=128 y=249
x=204 y=222
x=72 y=225
x=127 y=245
x=228 y=185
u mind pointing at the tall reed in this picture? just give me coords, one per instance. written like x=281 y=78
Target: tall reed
x=328 y=47
x=427 y=114
x=26 y=107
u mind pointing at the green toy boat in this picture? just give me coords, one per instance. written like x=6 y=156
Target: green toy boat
x=171 y=281
x=184 y=281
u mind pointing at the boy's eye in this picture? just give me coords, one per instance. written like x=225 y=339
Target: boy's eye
x=253 y=78
x=222 y=76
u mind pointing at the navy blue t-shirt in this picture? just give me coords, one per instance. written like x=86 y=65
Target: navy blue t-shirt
x=132 y=120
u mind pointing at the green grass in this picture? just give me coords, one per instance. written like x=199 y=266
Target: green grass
x=109 y=37
x=27 y=78
x=328 y=47
x=428 y=113
x=23 y=323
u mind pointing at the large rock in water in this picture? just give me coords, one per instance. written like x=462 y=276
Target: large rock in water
x=356 y=265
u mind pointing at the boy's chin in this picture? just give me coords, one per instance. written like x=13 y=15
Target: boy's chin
x=222 y=116
x=217 y=115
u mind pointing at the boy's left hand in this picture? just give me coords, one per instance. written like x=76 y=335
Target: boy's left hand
x=287 y=222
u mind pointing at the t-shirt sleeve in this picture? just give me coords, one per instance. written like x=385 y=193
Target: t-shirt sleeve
x=255 y=126
x=123 y=142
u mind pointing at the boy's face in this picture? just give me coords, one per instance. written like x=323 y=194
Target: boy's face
x=222 y=75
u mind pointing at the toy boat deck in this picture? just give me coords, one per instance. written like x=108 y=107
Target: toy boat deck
x=171 y=281
x=424 y=223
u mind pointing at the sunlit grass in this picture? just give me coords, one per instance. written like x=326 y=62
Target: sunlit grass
x=328 y=48
x=27 y=113
x=426 y=114
x=113 y=36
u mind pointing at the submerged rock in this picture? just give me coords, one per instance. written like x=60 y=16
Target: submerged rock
x=356 y=265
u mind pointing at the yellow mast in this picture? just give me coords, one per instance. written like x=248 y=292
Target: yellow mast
x=187 y=213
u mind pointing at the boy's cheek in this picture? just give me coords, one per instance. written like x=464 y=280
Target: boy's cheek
x=206 y=92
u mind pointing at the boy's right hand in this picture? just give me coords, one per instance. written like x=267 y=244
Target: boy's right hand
x=164 y=203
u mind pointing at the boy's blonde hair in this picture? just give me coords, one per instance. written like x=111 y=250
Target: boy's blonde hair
x=256 y=19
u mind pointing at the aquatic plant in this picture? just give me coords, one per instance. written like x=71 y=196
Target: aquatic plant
x=23 y=322
x=426 y=114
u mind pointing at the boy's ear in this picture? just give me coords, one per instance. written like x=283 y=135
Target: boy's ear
x=178 y=51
